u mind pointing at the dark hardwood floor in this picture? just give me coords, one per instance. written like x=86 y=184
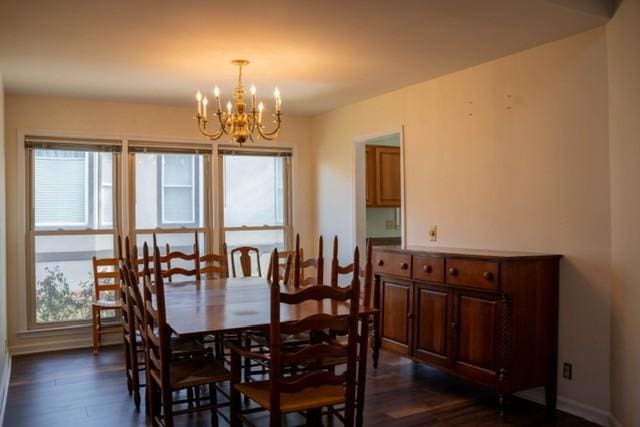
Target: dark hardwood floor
x=75 y=388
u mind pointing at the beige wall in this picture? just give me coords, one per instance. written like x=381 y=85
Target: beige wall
x=623 y=37
x=3 y=256
x=511 y=154
x=77 y=115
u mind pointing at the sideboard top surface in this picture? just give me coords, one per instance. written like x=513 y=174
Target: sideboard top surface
x=466 y=253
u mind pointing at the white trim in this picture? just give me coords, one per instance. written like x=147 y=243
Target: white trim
x=5 y=379
x=573 y=407
x=359 y=180
x=73 y=342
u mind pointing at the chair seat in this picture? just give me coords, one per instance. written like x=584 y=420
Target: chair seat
x=185 y=373
x=309 y=398
x=108 y=304
x=181 y=347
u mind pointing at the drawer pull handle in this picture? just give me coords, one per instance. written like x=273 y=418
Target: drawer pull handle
x=404 y=265
x=380 y=263
x=426 y=268
x=488 y=275
x=453 y=271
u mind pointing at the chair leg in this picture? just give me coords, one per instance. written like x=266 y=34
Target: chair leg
x=95 y=316
x=167 y=407
x=275 y=418
x=213 y=395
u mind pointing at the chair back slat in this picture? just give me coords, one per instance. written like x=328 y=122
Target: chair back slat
x=301 y=277
x=312 y=352
x=365 y=273
x=167 y=260
x=245 y=260
x=317 y=322
x=214 y=265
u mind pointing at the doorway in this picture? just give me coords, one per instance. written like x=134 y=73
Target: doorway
x=379 y=210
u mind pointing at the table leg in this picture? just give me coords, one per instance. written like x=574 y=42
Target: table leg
x=362 y=370
x=377 y=343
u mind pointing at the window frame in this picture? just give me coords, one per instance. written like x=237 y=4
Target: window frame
x=207 y=221
x=33 y=232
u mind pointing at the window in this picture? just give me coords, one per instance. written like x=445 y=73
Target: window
x=170 y=191
x=72 y=204
x=179 y=204
x=256 y=200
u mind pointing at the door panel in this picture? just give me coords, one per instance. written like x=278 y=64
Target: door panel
x=475 y=337
x=432 y=324
x=396 y=303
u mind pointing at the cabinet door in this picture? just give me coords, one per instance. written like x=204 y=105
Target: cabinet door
x=431 y=329
x=388 y=176
x=371 y=175
x=475 y=335
x=396 y=315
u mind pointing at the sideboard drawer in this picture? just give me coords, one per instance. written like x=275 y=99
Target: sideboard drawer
x=428 y=268
x=473 y=274
x=392 y=264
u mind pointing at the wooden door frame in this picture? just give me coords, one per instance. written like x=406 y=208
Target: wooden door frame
x=360 y=189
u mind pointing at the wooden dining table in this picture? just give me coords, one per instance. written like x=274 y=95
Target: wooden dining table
x=216 y=306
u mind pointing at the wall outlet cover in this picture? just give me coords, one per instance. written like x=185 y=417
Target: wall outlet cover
x=433 y=233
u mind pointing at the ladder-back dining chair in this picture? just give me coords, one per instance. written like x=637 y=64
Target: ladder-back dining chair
x=301 y=276
x=314 y=389
x=106 y=287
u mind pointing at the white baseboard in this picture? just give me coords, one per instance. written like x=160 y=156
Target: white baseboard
x=5 y=377
x=573 y=407
x=68 y=343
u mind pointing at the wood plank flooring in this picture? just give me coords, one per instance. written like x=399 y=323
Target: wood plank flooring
x=75 y=388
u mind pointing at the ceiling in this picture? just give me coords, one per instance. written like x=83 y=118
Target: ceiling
x=321 y=54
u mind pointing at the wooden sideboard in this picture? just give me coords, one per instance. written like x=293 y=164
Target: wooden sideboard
x=487 y=316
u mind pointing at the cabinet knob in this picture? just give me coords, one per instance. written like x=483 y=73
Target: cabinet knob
x=487 y=275
x=404 y=265
x=453 y=271
x=426 y=268
x=454 y=325
x=409 y=315
x=380 y=263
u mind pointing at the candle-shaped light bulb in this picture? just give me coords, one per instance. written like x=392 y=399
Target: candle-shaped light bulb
x=199 y=99
x=260 y=108
x=253 y=90
x=216 y=91
x=276 y=93
x=229 y=107
x=205 y=101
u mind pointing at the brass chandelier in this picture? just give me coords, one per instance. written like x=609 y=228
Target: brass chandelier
x=239 y=122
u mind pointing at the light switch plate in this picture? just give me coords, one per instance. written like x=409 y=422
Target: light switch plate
x=433 y=233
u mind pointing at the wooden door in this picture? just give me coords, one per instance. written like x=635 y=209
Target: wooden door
x=433 y=307
x=396 y=315
x=475 y=332
x=371 y=175
x=388 y=176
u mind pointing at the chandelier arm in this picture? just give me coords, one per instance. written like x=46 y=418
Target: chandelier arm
x=203 y=130
x=274 y=133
